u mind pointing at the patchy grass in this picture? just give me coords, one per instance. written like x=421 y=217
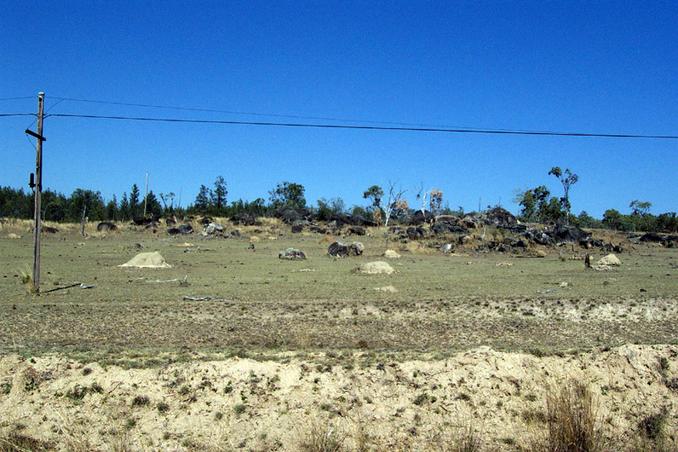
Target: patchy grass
x=443 y=305
x=572 y=420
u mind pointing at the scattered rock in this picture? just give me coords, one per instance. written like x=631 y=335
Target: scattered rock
x=610 y=261
x=447 y=227
x=652 y=237
x=340 y=249
x=147 y=260
x=387 y=289
x=503 y=264
x=391 y=254
x=537 y=236
x=357 y=230
x=181 y=229
x=12 y=235
x=446 y=248
x=376 y=268
x=500 y=217
x=292 y=254
x=213 y=228
x=244 y=219
x=317 y=229
x=415 y=232
x=254 y=239
x=297 y=228
x=568 y=233
x=106 y=226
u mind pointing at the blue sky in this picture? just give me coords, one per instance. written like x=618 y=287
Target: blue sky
x=575 y=66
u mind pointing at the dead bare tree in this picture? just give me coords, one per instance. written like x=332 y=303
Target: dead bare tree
x=394 y=201
x=422 y=196
x=433 y=199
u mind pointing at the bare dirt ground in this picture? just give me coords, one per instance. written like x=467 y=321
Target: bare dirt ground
x=458 y=340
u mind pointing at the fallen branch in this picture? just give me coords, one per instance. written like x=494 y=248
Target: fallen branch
x=77 y=284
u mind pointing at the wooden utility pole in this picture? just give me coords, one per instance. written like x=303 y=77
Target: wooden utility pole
x=37 y=192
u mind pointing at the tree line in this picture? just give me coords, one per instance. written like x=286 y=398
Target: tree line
x=383 y=204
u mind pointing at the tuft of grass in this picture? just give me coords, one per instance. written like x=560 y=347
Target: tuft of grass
x=664 y=366
x=572 y=420
x=26 y=279
x=322 y=438
x=17 y=442
x=467 y=440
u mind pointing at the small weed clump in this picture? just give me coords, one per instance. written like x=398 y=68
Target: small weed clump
x=421 y=399
x=32 y=379
x=239 y=408
x=184 y=390
x=652 y=426
x=163 y=407
x=78 y=392
x=322 y=439
x=141 y=400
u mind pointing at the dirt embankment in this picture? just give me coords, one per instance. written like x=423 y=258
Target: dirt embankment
x=356 y=399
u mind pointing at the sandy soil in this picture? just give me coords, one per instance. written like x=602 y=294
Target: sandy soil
x=276 y=404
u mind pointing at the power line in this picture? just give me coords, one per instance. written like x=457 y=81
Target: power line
x=5 y=115
x=364 y=127
x=246 y=113
x=16 y=98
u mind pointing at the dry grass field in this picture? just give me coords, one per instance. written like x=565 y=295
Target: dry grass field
x=466 y=347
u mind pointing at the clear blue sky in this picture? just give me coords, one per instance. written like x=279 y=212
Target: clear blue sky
x=599 y=66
